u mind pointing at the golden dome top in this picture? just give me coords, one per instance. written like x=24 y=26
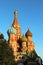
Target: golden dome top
x=24 y=39
x=15 y=13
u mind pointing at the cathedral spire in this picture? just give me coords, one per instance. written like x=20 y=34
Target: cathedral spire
x=15 y=22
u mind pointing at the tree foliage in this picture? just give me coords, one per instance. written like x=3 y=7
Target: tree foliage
x=6 y=53
x=1 y=36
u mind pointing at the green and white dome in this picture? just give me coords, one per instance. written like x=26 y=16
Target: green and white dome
x=12 y=30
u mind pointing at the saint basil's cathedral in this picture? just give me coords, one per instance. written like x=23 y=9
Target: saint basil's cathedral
x=22 y=45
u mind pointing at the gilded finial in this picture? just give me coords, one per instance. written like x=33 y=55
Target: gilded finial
x=15 y=13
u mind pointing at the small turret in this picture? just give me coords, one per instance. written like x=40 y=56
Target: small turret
x=28 y=33
x=24 y=44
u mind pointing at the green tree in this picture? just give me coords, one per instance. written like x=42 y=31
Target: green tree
x=1 y=36
x=6 y=53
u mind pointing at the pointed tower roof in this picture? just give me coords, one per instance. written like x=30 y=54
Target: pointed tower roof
x=28 y=33
x=15 y=22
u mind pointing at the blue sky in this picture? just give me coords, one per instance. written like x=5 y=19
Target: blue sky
x=30 y=15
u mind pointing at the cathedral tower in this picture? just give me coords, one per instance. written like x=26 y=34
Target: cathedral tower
x=14 y=34
x=16 y=24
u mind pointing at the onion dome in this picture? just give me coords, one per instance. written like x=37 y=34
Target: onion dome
x=12 y=31
x=28 y=33
x=24 y=39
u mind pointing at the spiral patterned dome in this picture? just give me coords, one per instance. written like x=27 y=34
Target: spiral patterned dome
x=12 y=31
